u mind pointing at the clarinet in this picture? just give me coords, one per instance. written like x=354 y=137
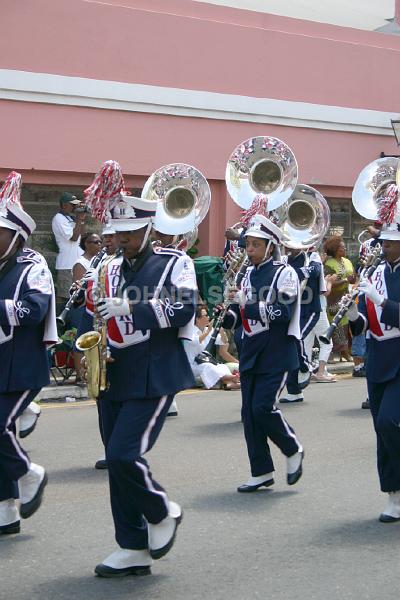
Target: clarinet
x=367 y=273
x=240 y=265
x=77 y=294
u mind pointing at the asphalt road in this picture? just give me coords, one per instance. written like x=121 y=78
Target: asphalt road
x=317 y=540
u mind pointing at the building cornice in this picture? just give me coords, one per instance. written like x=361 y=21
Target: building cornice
x=24 y=86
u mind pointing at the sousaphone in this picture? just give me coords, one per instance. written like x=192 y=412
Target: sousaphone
x=183 y=196
x=261 y=165
x=371 y=184
x=304 y=219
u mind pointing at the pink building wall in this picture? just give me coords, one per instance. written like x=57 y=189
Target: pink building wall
x=184 y=44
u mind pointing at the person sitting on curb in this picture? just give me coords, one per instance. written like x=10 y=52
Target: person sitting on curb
x=209 y=373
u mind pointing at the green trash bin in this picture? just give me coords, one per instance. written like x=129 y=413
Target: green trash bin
x=209 y=275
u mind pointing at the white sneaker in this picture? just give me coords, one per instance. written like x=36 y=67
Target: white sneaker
x=392 y=511
x=124 y=562
x=28 y=419
x=31 y=488
x=162 y=535
x=8 y=513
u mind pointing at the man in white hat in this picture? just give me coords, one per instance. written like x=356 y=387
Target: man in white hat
x=378 y=314
x=268 y=308
x=151 y=294
x=27 y=320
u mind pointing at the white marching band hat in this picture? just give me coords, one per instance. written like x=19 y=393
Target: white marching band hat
x=12 y=215
x=108 y=230
x=261 y=227
x=131 y=213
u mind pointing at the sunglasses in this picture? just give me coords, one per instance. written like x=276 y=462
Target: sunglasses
x=94 y=242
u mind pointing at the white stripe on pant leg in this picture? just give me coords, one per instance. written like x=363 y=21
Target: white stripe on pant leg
x=307 y=324
x=11 y=433
x=320 y=328
x=308 y=343
x=149 y=483
x=282 y=385
x=276 y=411
x=144 y=442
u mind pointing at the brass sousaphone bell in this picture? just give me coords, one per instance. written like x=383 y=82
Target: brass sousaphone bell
x=261 y=165
x=183 y=196
x=304 y=219
x=371 y=183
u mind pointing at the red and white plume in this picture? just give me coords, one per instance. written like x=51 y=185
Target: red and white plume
x=105 y=190
x=10 y=192
x=387 y=204
x=259 y=206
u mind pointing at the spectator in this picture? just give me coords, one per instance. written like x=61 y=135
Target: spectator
x=67 y=229
x=337 y=264
x=209 y=373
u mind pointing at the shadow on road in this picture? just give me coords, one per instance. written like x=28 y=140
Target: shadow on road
x=76 y=474
x=216 y=428
x=232 y=502
x=354 y=413
x=361 y=533
x=97 y=588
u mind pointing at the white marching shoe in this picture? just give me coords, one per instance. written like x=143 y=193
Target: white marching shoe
x=9 y=517
x=287 y=398
x=253 y=483
x=162 y=535
x=31 y=488
x=125 y=562
x=295 y=466
x=303 y=379
x=173 y=409
x=392 y=512
x=28 y=419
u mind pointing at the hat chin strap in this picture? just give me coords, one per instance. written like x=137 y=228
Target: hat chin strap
x=146 y=236
x=267 y=250
x=10 y=246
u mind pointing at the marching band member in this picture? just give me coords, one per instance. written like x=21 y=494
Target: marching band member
x=310 y=273
x=150 y=294
x=378 y=314
x=268 y=308
x=27 y=320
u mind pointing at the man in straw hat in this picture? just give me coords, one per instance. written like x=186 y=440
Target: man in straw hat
x=378 y=314
x=267 y=305
x=27 y=321
x=150 y=297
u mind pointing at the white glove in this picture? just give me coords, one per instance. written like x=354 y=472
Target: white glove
x=90 y=275
x=367 y=288
x=352 y=313
x=113 y=307
x=240 y=298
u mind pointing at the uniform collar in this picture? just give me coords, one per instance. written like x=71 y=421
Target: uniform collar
x=395 y=265
x=264 y=262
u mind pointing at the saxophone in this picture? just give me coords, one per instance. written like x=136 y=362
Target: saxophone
x=93 y=344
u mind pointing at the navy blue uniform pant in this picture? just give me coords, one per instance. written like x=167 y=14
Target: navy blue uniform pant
x=384 y=400
x=130 y=429
x=263 y=421
x=14 y=462
x=292 y=384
